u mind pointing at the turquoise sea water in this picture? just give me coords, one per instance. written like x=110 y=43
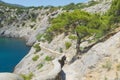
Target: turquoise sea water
x=11 y=52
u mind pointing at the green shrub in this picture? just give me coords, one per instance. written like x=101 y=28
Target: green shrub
x=61 y=50
x=40 y=66
x=73 y=37
x=37 y=47
x=48 y=58
x=92 y=3
x=32 y=26
x=70 y=6
x=23 y=24
x=107 y=65
x=53 y=9
x=18 y=25
x=118 y=67
x=1 y=25
x=68 y=45
x=98 y=35
x=73 y=6
x=48 y=37
x=106 y=78
x=27 y=77
x=33 y=19
x=35 y=28
x=19 y=11
x=39 y=37
x=114 y=12
x=41 y=54
x=35 y=58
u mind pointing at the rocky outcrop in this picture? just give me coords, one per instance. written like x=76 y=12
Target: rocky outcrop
x=47 y=67
x=24 y=23
x=27 y=33
x=49 y=62
x=10 y=76
x=94 y=63
x=80 y=68
x=102 y=7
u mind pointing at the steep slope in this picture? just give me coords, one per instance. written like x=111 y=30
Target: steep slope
x=52 y=61
x=99 y=62
x=27 y=23
x=24 y=23
x=46 y=65
x=10 y=76
x=102 y=7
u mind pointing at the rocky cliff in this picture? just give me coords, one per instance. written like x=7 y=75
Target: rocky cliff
x=52 y=61
x=102 y=7
x=44 y=69
x=27 y=23
x=24 y=22
x=100 y=62
x=10 y=76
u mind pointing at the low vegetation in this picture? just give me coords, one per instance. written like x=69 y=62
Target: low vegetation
x=27 y=77
x=37 y=47
x=35 y=58
x=107 y=65
x=105 y=78
x=40 y=66
x=68 y=45
x=72 y=37
x=48 y=58
x=114 y=12
x=73 y=6
x=118 y=67
x=39 y=37
x=61 y=50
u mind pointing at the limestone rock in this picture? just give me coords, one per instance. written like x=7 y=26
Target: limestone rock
x=26 y=24
x=80 y=68
x=102 y=7
x=10 y=76
x=49 y=70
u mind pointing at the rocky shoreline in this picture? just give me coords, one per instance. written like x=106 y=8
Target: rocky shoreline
x=48 y=65
x=26 y=33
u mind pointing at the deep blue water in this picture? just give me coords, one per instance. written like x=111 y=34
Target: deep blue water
x=11 y=52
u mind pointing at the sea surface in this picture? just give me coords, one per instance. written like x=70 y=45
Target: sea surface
x=11 y=52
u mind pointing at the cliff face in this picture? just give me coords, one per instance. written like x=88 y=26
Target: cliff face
x=98 y=63
x=10 y=76
x=102 y=7
x=24 y=22
x=45 y=63
x=51 y=61
x=27 y=23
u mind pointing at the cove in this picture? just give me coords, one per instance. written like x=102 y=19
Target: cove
x=11 y=52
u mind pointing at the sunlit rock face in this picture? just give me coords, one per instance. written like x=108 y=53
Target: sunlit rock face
x=10 y=76
x=44 y=64
x=102 y=7
x=24 y=23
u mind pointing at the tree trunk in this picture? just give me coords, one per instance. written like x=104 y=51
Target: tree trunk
x=78 y=51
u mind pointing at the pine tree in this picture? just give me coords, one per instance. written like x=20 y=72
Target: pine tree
x=114 y=12
x=81 y=23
